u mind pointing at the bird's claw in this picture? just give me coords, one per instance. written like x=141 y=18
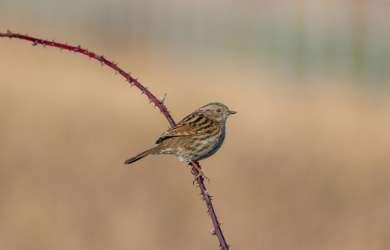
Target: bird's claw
x=198 y=173
x=200 y=176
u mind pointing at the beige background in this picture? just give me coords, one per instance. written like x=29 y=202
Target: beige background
x=306 y=161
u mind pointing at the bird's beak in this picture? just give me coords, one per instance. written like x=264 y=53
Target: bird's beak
x=231 y=112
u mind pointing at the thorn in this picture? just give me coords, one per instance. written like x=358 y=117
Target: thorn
x=35 y=43
x=100 y=58
x=162 y=100
x=212 y=232
x=77 y=49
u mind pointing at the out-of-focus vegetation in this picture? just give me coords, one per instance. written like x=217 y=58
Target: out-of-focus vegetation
x=305 y=162
x=347 y=38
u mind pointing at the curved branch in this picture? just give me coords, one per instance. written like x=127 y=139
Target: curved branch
x=78 y=49
x=152 y=98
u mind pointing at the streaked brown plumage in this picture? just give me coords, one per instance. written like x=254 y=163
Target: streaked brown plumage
x=196 y=137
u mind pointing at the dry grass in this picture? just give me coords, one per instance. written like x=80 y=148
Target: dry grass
x=302 y=168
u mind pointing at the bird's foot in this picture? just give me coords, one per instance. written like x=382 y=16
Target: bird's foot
x=200 y=175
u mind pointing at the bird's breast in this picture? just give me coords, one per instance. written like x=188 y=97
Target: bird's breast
x=210 y=145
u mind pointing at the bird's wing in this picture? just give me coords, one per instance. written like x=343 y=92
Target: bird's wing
x=192 y=124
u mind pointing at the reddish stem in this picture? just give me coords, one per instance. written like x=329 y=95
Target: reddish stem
x=152 y=98
x=210 y=208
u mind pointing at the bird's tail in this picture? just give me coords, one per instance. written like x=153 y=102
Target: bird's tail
x=142 y=155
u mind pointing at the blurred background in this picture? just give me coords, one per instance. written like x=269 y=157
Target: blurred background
x=306 y=161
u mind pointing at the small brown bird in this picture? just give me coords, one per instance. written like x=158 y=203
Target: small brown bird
x=196 y=137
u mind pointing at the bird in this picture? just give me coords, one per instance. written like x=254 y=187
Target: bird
x=196 y=137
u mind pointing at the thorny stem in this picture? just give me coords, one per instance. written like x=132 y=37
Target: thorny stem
x=152 y=98
x=210 y=208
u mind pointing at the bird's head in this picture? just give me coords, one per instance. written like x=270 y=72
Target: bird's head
x=216 y=111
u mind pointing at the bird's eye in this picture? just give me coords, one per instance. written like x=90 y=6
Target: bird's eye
x=219 y=110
